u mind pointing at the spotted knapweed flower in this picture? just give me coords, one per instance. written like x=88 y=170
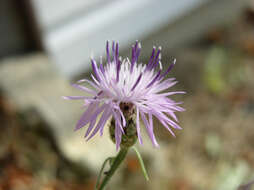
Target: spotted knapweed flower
x=126 y=84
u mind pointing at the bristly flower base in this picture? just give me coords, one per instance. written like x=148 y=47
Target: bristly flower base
x=129 y=137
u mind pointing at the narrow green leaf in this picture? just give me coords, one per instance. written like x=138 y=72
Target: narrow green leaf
x=141 y=163
x=109 y=159
x=116 y=163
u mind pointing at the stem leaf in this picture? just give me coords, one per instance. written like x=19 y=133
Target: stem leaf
x=141 y=163
x=109 y=159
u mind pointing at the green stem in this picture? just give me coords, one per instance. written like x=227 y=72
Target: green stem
x=117 y=161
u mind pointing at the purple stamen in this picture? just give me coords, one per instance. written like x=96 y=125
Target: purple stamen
x=113 y=49
x=169 y=69
x=151 y=59
x=156 y=60
x=155 y=78
x=118 y=70
x=132 y=58
x=136 y=45
x=95 y=69
x=107 y=51
x=137 y=52
x=117 y=52
x=101 y=66
x=137 y=81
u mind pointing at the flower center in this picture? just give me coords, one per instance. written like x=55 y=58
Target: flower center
x=127 y=108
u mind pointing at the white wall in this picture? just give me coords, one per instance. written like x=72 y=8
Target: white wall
x=73 y=31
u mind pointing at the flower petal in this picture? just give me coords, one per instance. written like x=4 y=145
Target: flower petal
x=118 y=136
x=149 y=128
x=94 y=117
x=138 y=127
x=75 y=97
x=83 y=88
x=86 y=116
x=101 y=123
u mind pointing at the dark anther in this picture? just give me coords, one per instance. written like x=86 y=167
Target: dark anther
x=126 y=107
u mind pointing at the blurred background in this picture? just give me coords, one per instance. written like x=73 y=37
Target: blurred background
x=46 y=45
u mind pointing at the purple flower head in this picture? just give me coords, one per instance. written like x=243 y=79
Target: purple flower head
x=124 y=81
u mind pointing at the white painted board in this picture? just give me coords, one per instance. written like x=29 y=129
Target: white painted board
x=71 y=43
